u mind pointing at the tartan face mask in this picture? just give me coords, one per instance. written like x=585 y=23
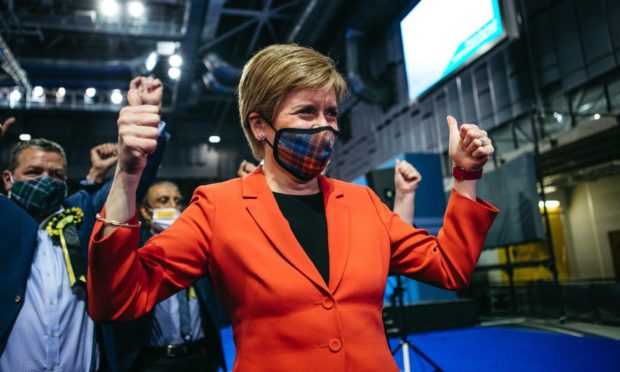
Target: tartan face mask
x=39 y=196
x=304 y=153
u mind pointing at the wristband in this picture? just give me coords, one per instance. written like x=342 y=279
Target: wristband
x=464 y=175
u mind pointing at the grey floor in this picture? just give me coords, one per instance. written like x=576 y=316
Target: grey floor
x=572 y=328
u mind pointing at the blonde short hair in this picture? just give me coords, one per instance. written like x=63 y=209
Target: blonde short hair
x=276 y=70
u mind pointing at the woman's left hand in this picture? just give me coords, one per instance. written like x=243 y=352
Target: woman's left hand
x=470 y=147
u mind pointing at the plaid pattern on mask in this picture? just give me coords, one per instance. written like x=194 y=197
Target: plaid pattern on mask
x=305 y=152
x=40 y=196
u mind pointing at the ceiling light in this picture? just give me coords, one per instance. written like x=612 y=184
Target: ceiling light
x=174 y=73
x=116 y=97
x=61 y=92
x=214 y=139
x=175 y=60
x=166 y=48
x=108 y=8
x=15 y=95
x=135 y=9
x=25 y=137
x=549 y=204
x=90 y=92
x=151 y=61
x=37 y=91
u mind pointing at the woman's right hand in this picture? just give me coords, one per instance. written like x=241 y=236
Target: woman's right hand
x=137 y=133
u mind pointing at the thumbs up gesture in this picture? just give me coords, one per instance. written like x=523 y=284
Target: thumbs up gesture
x=470 y=147
x=137 y=124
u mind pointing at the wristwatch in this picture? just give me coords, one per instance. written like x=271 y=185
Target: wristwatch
x=465 y=175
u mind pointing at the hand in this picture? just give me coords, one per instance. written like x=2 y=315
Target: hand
x=137 y=135
x=406 y=177
x=145 y=91
x=4 y=127
x=470 y=147
x=245 y=168
x=102 y=158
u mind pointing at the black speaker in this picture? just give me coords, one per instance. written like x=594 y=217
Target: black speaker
x=382 y=183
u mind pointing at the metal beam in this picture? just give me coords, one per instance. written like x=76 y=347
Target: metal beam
x=209 y=44
x=254 y=13
x=189 y=48
x=157 y=31
x=214 y=15
x=10 y=65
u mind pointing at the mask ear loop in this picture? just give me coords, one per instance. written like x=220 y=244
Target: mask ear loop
x=8 y=194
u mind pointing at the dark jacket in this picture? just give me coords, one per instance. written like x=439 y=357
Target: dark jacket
x=18 y=238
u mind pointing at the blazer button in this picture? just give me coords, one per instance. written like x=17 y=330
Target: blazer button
x=335 y=345
x=327 y=303
x=17 y=299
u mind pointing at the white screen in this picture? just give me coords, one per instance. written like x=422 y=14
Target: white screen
x=439 y=36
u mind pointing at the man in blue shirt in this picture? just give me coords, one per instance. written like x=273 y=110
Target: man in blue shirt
x=44 y=323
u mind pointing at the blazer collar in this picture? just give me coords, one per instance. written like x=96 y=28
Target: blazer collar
x=263 y=208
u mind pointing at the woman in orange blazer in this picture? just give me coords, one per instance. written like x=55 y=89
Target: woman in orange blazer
x=290 y=310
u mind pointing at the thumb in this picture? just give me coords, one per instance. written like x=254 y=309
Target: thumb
x=453 y=126
x=133 y=98
x=397 y=164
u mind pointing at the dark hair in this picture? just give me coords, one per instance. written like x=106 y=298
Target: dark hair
x=43 y=144
x=145 y=199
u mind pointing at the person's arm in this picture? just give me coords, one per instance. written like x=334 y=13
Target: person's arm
x=406 y=182
x=102 y=158
x=449 y=259
x=146 y=91
x=120 y=284
x=4 y=127
x=138 y=134
x=469 y=149
x=125 y=283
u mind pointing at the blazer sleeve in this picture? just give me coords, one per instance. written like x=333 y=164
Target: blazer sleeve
x=447 y=260
x=125 y=282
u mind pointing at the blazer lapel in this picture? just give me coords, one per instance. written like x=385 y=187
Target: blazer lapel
x=338 y=217
x=263 y=208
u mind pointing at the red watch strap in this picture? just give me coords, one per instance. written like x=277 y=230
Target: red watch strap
x=464 y=175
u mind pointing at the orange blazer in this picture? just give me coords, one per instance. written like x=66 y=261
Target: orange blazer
x=284 y=316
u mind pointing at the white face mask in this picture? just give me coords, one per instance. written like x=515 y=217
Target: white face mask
x=163 y=218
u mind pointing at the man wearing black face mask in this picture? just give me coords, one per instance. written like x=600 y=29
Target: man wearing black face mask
x=44 y=324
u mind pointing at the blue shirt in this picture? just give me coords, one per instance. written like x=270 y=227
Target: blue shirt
x=52 y=332
x=166 y=328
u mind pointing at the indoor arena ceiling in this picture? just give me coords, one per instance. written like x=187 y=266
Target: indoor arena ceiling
x=77 y=44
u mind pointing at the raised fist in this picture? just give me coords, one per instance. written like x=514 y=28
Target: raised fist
x=102 y=158
x=145 y=91
x=406 y=177
x=137 y=136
